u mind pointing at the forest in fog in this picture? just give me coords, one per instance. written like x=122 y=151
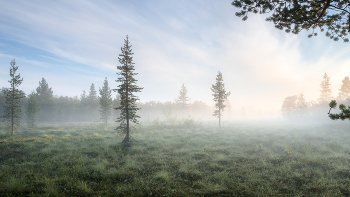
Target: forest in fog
x=86 y=107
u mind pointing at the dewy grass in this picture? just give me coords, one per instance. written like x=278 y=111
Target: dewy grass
x=176 y=158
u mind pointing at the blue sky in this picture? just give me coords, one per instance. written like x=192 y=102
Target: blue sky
x=75 y=43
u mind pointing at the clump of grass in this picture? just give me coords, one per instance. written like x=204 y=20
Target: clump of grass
x=83 y=186
x=162 y=176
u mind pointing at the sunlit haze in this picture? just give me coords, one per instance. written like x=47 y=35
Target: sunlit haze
x=75 y=43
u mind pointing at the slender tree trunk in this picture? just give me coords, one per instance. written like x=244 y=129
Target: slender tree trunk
x=219 y=114
x=106 y=116
x=13 y=106
x=127 y=137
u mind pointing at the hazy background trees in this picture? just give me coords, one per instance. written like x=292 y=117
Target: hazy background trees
x=105 y=99
x=183 y=99
x=45 y=98
x=85 y=108
x=32 y=109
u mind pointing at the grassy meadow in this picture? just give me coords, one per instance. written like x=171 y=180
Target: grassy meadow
x=177 y=158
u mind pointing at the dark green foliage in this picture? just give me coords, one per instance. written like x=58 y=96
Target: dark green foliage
x=183 y=99
x=32 y=109
x=105 y=101
x=45 y=98
x=12 y=113
x=344 y=114
x=128 y=85
x=116 y=103
x=293 y=16
x=220 y=95
x=326 y=92
x=344 y=91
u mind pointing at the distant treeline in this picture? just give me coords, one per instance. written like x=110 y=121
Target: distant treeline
x=86 y=108
x=297 y=106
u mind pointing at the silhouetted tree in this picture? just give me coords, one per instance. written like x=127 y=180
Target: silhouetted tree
x=297 y=15
x=105 y=101
x=220 y=95
x=182 y=100
x=128 y=85
x=32 y=109
x=326 y=92
x=12 y=113
x=344 y=91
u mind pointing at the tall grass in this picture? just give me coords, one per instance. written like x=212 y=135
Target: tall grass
x=183 y=157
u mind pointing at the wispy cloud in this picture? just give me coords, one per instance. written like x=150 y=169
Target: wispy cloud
x=174 y=42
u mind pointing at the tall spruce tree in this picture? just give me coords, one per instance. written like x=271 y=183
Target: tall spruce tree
x=344 y=91
x=294 y=16
x=45 y=98
x=128 y=85
x=326 y=92
x=32 y=109
x=105 y=101
x=220 y=96
x=182 y=100
x=12 y=113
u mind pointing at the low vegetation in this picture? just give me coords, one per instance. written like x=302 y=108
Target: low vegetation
x=181 y=158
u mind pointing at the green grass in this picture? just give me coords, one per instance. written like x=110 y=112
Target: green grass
x=184 y=158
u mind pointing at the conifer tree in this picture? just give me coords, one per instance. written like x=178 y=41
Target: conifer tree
x=92 y=103
x=128 y=85
x=344 y=91
x=326 y=92
x=105 y=101
x=32 y=109
x=45 y=99
x=294 y=16
x=220 y=95
x=344 y=114
x=183 y=99
x=301 y=102
x=116 y=104
x=12 y=113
